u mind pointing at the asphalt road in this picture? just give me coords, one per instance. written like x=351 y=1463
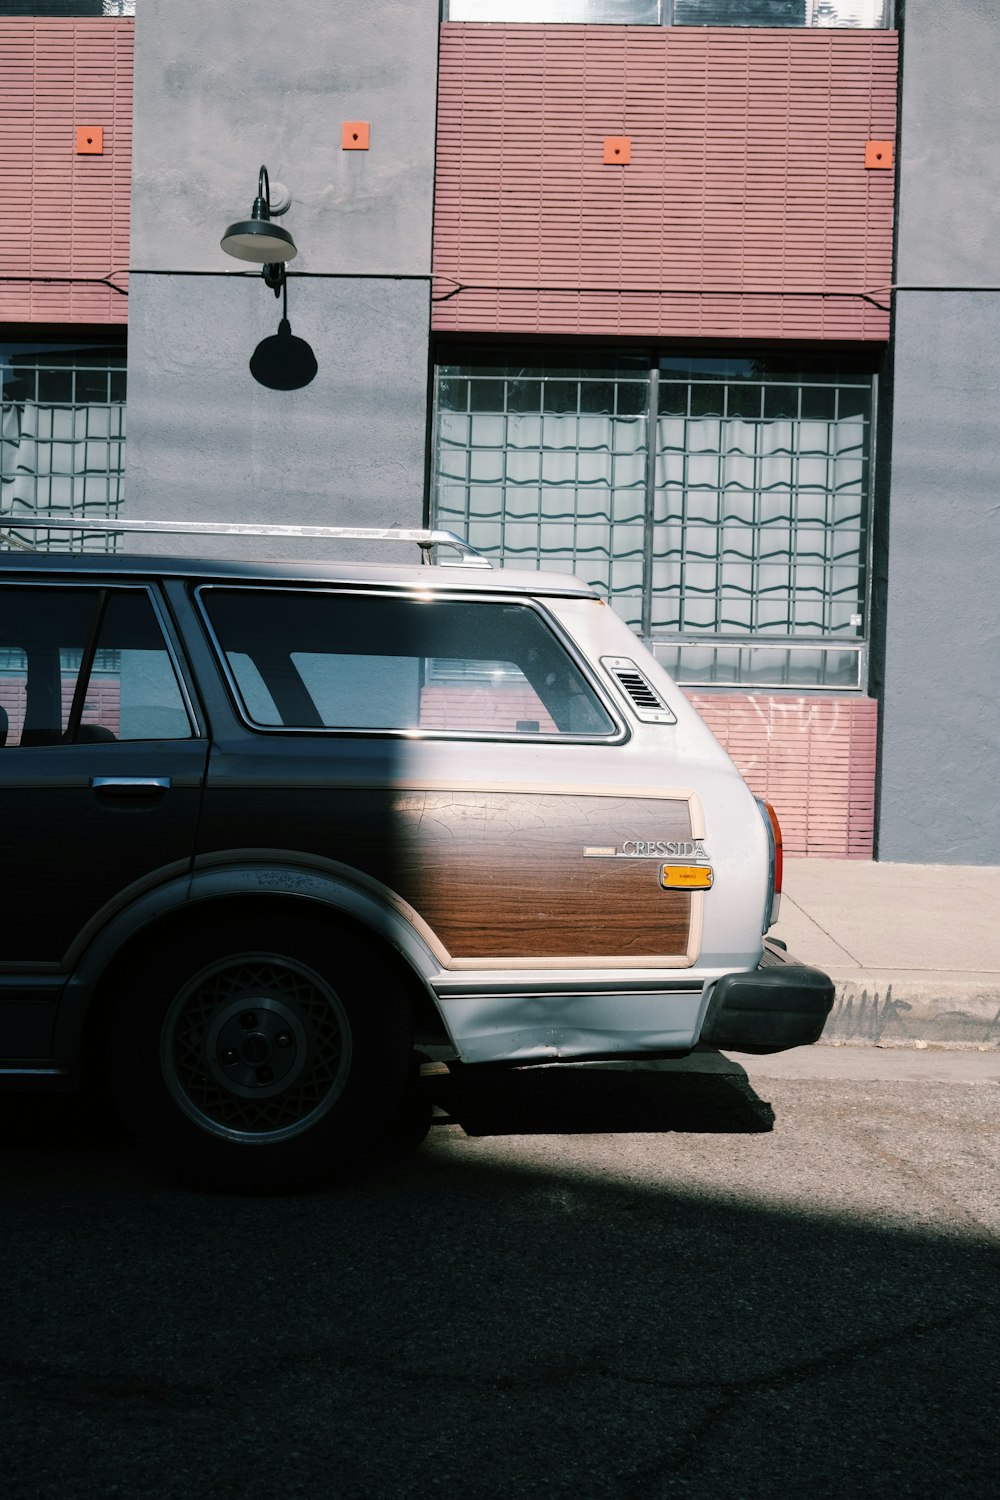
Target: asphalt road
x=614 y=1282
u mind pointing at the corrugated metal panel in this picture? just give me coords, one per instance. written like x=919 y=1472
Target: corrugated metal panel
x=66 y=215
x=812 y=758
x=746 y=194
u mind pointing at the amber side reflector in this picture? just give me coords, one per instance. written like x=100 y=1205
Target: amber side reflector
x=779 y=853
x=686 y=877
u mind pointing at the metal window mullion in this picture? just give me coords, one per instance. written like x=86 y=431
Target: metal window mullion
x=757 y=523
x=793 y=524
x=683 y=516
x=434 y=498
x=720 y=511
x=539 y=502
x=613 y=487
x=541 y=467
x=468 y=457
x=648 y=548
x=505 y=449
x=576 y=477
x=76 y=506
x=830 y=540
x=868 y=495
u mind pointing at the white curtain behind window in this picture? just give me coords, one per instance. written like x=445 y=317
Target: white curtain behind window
x=759 y=525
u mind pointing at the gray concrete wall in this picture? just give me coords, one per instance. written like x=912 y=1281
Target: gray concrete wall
x=949 y=165
x=941 y=718
x=220 y=89
x=206 y=441
x=222 y=86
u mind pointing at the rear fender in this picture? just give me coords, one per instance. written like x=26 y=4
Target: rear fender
x=338 y=891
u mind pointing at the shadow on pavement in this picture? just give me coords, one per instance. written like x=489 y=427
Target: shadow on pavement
x=595 y=1099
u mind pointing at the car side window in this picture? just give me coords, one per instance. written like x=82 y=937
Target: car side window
x=85 y=665
x=321 y=659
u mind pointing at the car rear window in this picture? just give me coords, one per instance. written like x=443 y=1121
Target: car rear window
x=311 y=659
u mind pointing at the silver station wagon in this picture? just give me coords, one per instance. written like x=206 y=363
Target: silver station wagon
x=269 y=826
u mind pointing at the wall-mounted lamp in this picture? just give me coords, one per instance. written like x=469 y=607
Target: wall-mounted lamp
x=257 y=239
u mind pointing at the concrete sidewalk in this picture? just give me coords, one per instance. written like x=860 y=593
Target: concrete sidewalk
x=914 y=950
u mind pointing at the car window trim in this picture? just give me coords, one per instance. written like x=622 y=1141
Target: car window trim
x=87 y=658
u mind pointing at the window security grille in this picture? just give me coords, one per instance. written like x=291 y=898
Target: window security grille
x=721 y=505
x=62 y=440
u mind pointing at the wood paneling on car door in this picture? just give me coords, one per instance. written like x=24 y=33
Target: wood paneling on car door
x=504 y=874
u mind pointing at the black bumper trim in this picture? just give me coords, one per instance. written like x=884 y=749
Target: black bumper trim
x=769 y=1009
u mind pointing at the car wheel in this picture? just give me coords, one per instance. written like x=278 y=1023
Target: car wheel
x=260 y=1056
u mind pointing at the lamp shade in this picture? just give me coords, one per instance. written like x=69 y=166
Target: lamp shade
x=260 y=241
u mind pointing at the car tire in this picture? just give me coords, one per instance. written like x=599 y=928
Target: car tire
x=260 y=1055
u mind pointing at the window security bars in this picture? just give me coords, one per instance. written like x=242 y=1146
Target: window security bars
x=62 y=442
x=723 y=509
x=868 y=14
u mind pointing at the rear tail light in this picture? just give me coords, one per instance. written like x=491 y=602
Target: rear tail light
x=775 y=863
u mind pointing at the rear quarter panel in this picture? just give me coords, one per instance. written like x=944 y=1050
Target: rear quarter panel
x=515 y=855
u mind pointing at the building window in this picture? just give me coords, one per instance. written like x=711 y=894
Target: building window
x=720 y=504
x=834 y=13
x=62 y=439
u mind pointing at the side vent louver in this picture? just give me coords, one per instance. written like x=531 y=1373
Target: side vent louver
x=645 y=700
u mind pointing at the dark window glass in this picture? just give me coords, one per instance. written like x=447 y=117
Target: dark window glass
x=740 y=12
x=708 y=400
x=314 y=660
x=68 y=8
x=453 y=395
x=486 y=395
x=50 y=635
x=55 y=385
x=632 y=398
x=781 y=401
x=525 y=397
x=673 y=398
x=853 y=402
x=561 y=396
x=819 y=403
x=597 y=396
x=744 y=401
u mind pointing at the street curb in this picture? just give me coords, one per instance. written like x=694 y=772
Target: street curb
x=870 y=1009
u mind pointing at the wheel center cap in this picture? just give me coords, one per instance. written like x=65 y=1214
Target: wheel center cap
x=256 y=1048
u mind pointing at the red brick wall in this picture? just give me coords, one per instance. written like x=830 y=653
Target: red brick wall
x=812 y=758
x=746 y=210
x=65 y=215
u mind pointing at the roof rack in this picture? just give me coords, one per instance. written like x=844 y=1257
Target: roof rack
x=425 y=540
